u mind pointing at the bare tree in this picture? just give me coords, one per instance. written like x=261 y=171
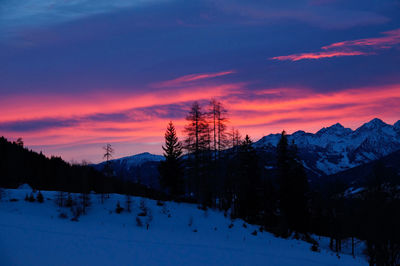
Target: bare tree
x=108 y=154
x=235 y=138
x=197 y=130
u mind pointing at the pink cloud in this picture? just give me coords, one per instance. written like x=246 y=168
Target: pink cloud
x=389 y=39
x=349 y=48
x=192 y=78
x=318 y=55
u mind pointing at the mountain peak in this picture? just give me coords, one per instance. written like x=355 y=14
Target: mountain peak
x=374 y=124
x=336 y=129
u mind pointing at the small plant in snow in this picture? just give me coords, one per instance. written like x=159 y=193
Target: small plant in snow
x=315 y=247
x=76 y=212
x=160 y=203
x=118 y=209
x=138 y=222
x=39 y=197
x=143 y=208
x=164 y=209
x=254 y=233
x=149 y=219
x=190 y=221
x=31 y=197
x=63 y=215
x=128 y=203
x=244 y=225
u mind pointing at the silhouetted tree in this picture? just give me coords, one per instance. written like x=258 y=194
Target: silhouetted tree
x=197 y=144
x=108 y=154
x=218 y=118
x=171 y=171
x=247 y=182
x=293 y=186
x=39 y=197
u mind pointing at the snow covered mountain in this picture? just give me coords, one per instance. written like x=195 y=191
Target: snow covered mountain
x=140 y=168
x=336 y=148
x=134 y=160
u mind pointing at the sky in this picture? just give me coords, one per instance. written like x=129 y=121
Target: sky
x=77 y=74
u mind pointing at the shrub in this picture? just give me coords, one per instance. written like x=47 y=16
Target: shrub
x=63 y=215
x=190 y=221
x=118 y=209
x=315 y=247
x=39 y=197
x=143 y=208
x=138 y=221
x=31 y=197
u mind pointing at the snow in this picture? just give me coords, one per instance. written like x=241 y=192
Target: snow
x=33 y=234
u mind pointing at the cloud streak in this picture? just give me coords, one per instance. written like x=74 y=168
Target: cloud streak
x=365 y=46
x=318 y=55
x=191 y=78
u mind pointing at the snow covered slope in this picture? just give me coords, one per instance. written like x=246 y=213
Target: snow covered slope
x=178 y=234
x=335 y=148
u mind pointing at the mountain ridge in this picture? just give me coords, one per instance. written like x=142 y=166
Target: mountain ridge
x=336 y=148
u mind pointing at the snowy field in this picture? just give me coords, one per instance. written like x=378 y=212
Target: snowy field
x=32 y=233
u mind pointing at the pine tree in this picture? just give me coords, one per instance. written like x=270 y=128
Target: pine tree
x=171 y=171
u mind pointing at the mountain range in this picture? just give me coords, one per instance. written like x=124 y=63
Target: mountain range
x=329 y=151
x=336 y=148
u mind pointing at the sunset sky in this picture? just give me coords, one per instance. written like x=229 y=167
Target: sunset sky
x=77 y=74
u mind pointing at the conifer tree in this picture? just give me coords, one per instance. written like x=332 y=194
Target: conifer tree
x=171 y=172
